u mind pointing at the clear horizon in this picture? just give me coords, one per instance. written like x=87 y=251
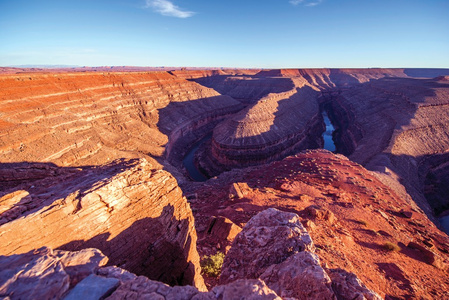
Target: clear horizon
x=253 y=34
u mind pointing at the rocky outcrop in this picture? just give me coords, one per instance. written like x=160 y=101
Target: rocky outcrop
x=267 y=239
x=45 y=273
x=349 y=214
x=275 y=247
x=54 y=274
x=240 y=289
x=133 y=213
x=300 y=276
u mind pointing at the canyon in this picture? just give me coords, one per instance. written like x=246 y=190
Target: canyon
x=140 y=164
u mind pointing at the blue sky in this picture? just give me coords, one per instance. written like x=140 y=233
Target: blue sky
x=226 y=33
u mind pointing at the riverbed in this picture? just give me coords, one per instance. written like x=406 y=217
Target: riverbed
x=189 y=161
x=327 y=135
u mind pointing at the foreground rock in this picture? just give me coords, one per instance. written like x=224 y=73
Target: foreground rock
x=349 y=214
x=276 y=247
x=46 y=273
x=133 y=213
x=56 y=274
x=268 y=239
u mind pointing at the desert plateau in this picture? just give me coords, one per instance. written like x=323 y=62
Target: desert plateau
x=118 y=184
x=224 y=150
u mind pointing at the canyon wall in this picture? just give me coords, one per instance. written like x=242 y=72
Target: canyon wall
x=394 y=126
x=133 y=213
x=92 y=118
x=60 y=132
x=276 y=126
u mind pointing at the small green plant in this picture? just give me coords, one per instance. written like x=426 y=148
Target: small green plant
x=211 y=264
x=391 y=246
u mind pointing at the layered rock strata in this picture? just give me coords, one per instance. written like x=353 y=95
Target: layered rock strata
x=133 y=213
x=395 y=126
x=276 y=126
x=93 y=118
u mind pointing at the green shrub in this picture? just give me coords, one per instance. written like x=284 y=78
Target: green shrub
x=391 y=246
x=211 y=264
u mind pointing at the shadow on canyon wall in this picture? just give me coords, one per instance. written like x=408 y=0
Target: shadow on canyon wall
x=427 y=73
x=247 y=89
x=395 y=111
x=290 y=130
x=150 y=241
x=186 y=122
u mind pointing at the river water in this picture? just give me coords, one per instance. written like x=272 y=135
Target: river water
x=444 y=221
x=327 y=135
x=189 y=161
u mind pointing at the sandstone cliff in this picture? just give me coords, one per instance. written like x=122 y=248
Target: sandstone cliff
x=133 y=213
x=59 y=132
x=396 y=126
x=94 y=118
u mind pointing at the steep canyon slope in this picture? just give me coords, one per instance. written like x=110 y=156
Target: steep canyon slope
x=89 y=152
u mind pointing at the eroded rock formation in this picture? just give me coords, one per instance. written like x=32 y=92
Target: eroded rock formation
x=133 y=213
x=350 y=215
x=396 y=126
x=55 y=128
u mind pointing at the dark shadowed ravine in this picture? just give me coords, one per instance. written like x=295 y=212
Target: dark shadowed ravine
x=189 y=160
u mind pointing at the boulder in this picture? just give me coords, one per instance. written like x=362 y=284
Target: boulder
x=429 y=257
x=299 y=276
x=239 y=190
x=221 y=229
x=251 y=289
x=347 y=286
x=268 y=238
x=93 y=287
x=45 y=273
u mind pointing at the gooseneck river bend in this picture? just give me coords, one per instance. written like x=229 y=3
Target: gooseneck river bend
x=196 y=175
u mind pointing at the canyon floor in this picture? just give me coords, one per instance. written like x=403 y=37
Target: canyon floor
x=94 y=186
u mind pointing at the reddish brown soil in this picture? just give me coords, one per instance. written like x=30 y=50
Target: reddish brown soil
x=364 y=215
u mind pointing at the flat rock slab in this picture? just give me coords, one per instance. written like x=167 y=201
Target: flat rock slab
x=93 y=287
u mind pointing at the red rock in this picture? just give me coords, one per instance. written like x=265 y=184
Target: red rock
x=44 y=273
x=347 y=286
x=222 y=228
x=268 y=238
x=406 y=214
x=239 y=190
x=430 y=257
x=127 y=210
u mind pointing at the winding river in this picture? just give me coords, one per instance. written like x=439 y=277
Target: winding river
x=189 y=160
x=196 y=175
x=327 y=135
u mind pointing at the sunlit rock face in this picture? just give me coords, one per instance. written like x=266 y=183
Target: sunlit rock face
x=82 y=153
x=133 y=213
x=94 y=118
